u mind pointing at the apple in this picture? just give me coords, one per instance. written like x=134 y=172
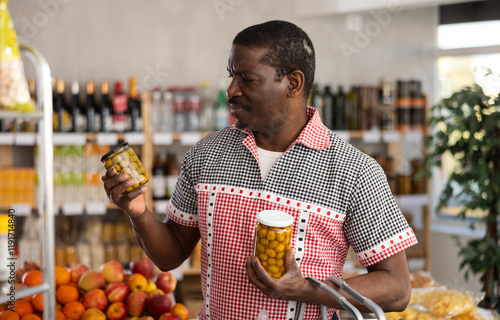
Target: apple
x=155 y=291
x=137 y=282
x=76 y=272
x=112 y=271
x=116 y=311
x=166 y=281
x=93 y=314
x=117 y=291
x=90 y=280
x=158 y=304
x=136 y=303
x=169 y=316
x=146 y=318
x=143 y=266
x=95 y=298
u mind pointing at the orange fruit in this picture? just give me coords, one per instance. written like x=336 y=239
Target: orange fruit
x=23 y=307
x=65 y=294
x=31 y=316
x=3 y=306
x=32 y=278
x=180 y=310
x=73 y=310
x=8 y=315
x=60 y=315
x=37 y=302
x=62 y=276
x=73 y=284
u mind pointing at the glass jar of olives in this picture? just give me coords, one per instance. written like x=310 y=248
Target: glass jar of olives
x=273 y=233
x=124 y=160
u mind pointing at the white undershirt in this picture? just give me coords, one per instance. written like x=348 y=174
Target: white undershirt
x=267 y=160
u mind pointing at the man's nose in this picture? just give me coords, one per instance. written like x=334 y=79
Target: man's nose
x=233 y=90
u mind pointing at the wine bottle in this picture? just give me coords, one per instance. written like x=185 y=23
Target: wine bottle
x=120 y=108
x=75 y=108
x=105 y=108
x=159 y=177
x=134 y=106
x=60 y=108
x=90 y=107
x=340 y=113
x=328 y=108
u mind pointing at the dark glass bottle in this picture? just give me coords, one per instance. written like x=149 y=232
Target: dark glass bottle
x=134 y=106
x=329 y=100
x=105 y=108
x=60 y=107
x=340 y=115
x=90 y=107
x=75 y=107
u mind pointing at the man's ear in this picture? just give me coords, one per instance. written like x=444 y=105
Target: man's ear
x=295 y=84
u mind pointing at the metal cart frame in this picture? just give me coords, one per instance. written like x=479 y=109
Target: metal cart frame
x=46 y=210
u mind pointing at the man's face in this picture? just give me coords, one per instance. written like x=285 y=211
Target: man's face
x=258 y=102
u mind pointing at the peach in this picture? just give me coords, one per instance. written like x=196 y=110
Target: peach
x=112 y=271
x=90 y=280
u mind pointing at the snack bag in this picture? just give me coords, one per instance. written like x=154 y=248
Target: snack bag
x=449 y=303
x=14 y=93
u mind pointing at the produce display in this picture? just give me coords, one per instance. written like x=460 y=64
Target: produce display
x=108 y=293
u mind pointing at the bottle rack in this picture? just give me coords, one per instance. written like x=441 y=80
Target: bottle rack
x=43 y=114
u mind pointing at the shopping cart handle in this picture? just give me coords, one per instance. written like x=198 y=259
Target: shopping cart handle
x=337 y=296
x=379 y=313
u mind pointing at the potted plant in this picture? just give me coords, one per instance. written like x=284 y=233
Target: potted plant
x=466 y=126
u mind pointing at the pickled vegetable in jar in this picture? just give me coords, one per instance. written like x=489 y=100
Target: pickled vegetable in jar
x=124 y=160
x=273 y=233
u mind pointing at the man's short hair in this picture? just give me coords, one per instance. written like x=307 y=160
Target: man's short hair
x=290 y=48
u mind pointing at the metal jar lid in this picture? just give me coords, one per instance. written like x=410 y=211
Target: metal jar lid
x=114 y=150
x=275 y=218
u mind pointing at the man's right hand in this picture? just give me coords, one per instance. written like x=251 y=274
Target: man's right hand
x=133 y=203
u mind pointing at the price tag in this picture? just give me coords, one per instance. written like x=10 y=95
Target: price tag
x=371 y=136
x=343 y=134
x=163 y=138
x=22 y=209
x=390 y=136
x=72 y=208
x=25 y=139
x=134 y=138
x=107 y=139
x=69 y=139
x=95 y=208
x=6 y=138
x=190 y=138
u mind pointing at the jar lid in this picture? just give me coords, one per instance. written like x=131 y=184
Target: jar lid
x=114 y=150
x=274 y=218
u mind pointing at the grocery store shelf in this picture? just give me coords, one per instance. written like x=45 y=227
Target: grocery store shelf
x=8 y=114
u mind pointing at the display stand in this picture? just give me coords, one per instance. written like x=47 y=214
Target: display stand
x=45 y=199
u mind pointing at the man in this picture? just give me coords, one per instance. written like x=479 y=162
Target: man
x=278 y=155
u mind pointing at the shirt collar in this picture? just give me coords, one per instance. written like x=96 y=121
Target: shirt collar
x=315 y=135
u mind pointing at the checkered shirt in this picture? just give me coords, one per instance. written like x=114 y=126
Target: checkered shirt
x=337 y=195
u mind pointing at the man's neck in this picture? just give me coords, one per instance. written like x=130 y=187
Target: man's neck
x=279 y=141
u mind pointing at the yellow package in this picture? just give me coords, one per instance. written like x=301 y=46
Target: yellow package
x=448 y=303
x=14 y=93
